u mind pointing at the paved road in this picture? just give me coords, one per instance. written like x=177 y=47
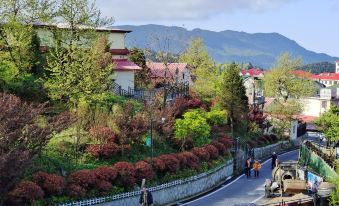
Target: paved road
x=242 y=191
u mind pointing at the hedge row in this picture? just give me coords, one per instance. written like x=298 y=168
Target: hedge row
x=122 y=174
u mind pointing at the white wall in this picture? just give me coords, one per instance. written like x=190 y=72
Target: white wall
x=115 y=40
x=124 y=78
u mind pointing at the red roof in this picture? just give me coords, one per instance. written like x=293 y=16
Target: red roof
x=124 y=65
x=162 y=70
x=306 y=118
x=326 y=76
x=301 y=73
x=252 y=72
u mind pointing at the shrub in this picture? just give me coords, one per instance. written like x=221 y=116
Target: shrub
x=126 y=174
x=51 y=183
x=216 y=117
x=192 y=160
x=227 y=141
x=76 y=190
x=193 y=125
x=83 y=178
x=172 y=164
x=102 y=133
x=25 y=193
x=212 y=150
x=221 y=148
x=182 y=159
x=157 y=164
x=107 y=150
x=143 y=170
x=103 y=186
x=201 y=153
x=105 y=173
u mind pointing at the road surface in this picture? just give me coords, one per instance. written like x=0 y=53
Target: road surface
x=242 y=191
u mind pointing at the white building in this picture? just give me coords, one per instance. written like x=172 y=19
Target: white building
x=315 y=106
x=124 y=70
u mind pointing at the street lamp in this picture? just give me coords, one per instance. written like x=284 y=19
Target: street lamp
x=149 y=142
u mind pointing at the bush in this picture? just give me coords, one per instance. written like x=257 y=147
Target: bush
x=103 y=186
x=105 y=173
x=52 y=184
x=76 y=191
x=126 y=174
x=192 y=160
x=201 y=153
x=25 y=193
x=193 y=125
x=157 y=164
x=83 y=178
x=107 y=150
x=182 y=159
x=143 y=170
x=227 y=141
x=102 y=133
x=216 y=117
x=221 y=148
x=213 y=151
x=172 y=164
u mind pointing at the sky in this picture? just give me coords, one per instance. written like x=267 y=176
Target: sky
x=314 y=24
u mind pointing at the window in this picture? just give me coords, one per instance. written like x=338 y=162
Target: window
x=183 y=75
x=335 y=82
x=329 y=82
x=324 y=104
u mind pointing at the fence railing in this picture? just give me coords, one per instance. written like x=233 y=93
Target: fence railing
x=99 y=200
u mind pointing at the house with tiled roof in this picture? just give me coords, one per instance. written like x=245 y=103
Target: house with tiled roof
x=328 y=78
x=253 y=83
x=124 y=70
x=179 y=73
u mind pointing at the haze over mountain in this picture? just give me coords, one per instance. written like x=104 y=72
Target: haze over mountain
x=261 y=49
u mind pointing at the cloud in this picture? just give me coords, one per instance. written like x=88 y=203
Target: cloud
x=154 y=10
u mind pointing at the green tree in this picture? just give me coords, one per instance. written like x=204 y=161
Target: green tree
x=194 y=125
x=205 y=74
x=143 y=76
x=287 y=89
x=232 y=95
x=329 y=123
x=283 y=84
x=77 y=73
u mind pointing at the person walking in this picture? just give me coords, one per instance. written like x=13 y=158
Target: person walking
x=256 y=168
x=248 y=167
x=146 y=198
x=274 y=158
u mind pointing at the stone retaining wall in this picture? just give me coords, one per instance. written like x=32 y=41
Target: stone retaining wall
x=187 y=189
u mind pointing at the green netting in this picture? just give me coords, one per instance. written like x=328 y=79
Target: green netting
x=316 y=163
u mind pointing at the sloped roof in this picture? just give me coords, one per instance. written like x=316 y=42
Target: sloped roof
x=326 y=76
x=252 y=72
x=302 y=73
x=162 y=70
x=124 y=65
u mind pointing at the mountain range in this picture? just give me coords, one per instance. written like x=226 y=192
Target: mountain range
x=261 y=49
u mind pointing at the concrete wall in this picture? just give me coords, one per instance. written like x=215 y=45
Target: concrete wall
x=262 y=152
x=185 y=190
x=124 y=78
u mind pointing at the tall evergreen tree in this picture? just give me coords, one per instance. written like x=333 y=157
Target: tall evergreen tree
x=232 y=95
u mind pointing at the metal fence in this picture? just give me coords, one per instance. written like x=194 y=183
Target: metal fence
x=99 y=200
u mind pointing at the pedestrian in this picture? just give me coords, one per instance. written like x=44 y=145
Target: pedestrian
x=274 y=158
x=146 y=198
x=248 y=167
x=256 y=168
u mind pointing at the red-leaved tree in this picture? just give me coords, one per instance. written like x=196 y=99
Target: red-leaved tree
x=22 y=137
